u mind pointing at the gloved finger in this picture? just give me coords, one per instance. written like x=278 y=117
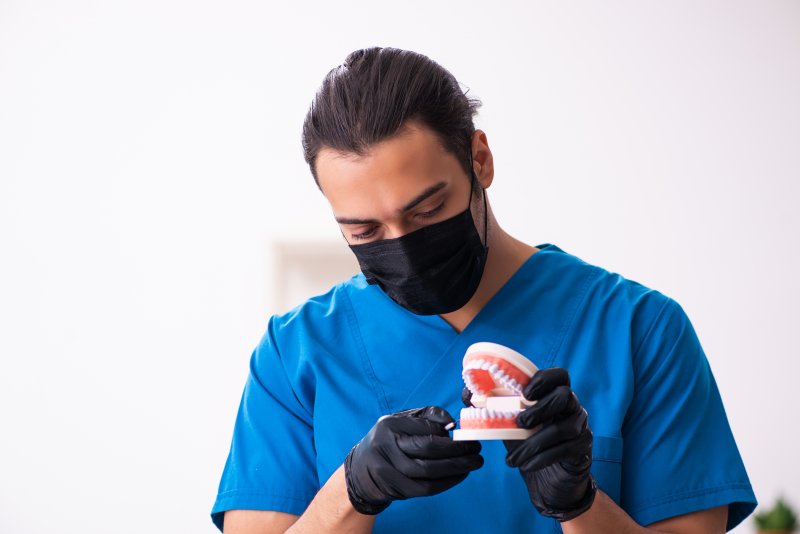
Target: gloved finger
x=397 y=486
x=512 y=444
x=433 y=486
x=432 y=446
x=544 y=381
x=420 y=421
x=438 y=415
x=434 y=414
x=438 y=468
x=557 y=404
x=549 y=436
x=578 y=449
x=466 y=397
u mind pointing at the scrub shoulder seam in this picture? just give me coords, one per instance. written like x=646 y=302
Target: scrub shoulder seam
x=593 y=274
x=651 y=327
x=355 y=331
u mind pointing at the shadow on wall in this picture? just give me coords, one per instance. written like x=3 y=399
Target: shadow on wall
x=306 y=269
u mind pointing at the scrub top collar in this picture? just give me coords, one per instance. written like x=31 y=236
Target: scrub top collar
x=505 y=292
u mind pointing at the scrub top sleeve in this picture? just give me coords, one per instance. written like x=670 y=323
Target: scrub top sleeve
x=271 y=463
x=679 y=454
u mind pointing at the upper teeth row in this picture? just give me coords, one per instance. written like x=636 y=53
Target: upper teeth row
x=483 y=413
x=498 y=374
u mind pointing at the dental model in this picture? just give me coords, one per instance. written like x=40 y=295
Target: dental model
x=496 y=376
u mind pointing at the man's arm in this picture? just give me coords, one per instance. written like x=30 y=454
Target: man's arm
x=406 y=454
x=330 y=511
x=257 y=521
x=555 y=463
x=606 y=516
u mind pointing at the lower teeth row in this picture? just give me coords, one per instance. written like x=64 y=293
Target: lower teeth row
x=484 y=413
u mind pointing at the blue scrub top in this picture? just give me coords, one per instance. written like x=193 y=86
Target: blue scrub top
x=326 y=370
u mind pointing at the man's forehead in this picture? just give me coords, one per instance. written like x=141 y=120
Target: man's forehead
x=413 y=156
x=384 y=199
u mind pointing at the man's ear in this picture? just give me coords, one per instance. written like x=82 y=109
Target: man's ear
x=482 y=159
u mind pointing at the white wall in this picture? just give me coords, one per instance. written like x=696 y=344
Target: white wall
x=150 y=155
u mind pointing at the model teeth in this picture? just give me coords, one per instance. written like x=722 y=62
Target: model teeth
x=492 y=368
x=484 y=413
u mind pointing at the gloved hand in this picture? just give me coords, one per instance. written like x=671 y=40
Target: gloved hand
x=555 y=460
x=407 y=454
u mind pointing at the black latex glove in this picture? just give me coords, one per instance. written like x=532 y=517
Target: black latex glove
x=555 y=460
x=407 y=454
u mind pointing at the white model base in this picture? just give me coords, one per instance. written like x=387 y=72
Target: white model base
x=469 y=434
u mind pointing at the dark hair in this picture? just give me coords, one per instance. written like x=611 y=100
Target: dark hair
x=374 y=92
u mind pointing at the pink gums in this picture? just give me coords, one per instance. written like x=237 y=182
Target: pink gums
x=490 y=422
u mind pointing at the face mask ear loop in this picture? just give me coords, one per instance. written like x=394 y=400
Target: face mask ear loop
x=474 y=179
x=485 y=222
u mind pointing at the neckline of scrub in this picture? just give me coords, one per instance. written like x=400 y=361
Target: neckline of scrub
x=437 y=321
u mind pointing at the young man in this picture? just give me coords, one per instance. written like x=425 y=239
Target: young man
x=344 y=420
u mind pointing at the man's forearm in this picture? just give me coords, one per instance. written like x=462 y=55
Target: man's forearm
x=606 y=517
x=603 y=516
x=331 y=511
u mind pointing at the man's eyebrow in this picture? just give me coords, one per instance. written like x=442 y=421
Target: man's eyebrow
x=432 y=190
x=346 y=220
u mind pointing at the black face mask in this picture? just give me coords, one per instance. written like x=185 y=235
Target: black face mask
x=433 y=270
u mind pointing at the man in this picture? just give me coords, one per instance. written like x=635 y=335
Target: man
x=344 y=421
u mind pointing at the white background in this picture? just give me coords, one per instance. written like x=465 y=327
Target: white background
x=150 y=156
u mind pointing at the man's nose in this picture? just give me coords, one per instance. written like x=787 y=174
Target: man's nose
x=398 y=229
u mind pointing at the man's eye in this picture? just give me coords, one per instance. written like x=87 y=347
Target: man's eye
x=433 y=212
x=365 y=235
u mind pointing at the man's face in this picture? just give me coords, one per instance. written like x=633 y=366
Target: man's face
x=402 y=184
